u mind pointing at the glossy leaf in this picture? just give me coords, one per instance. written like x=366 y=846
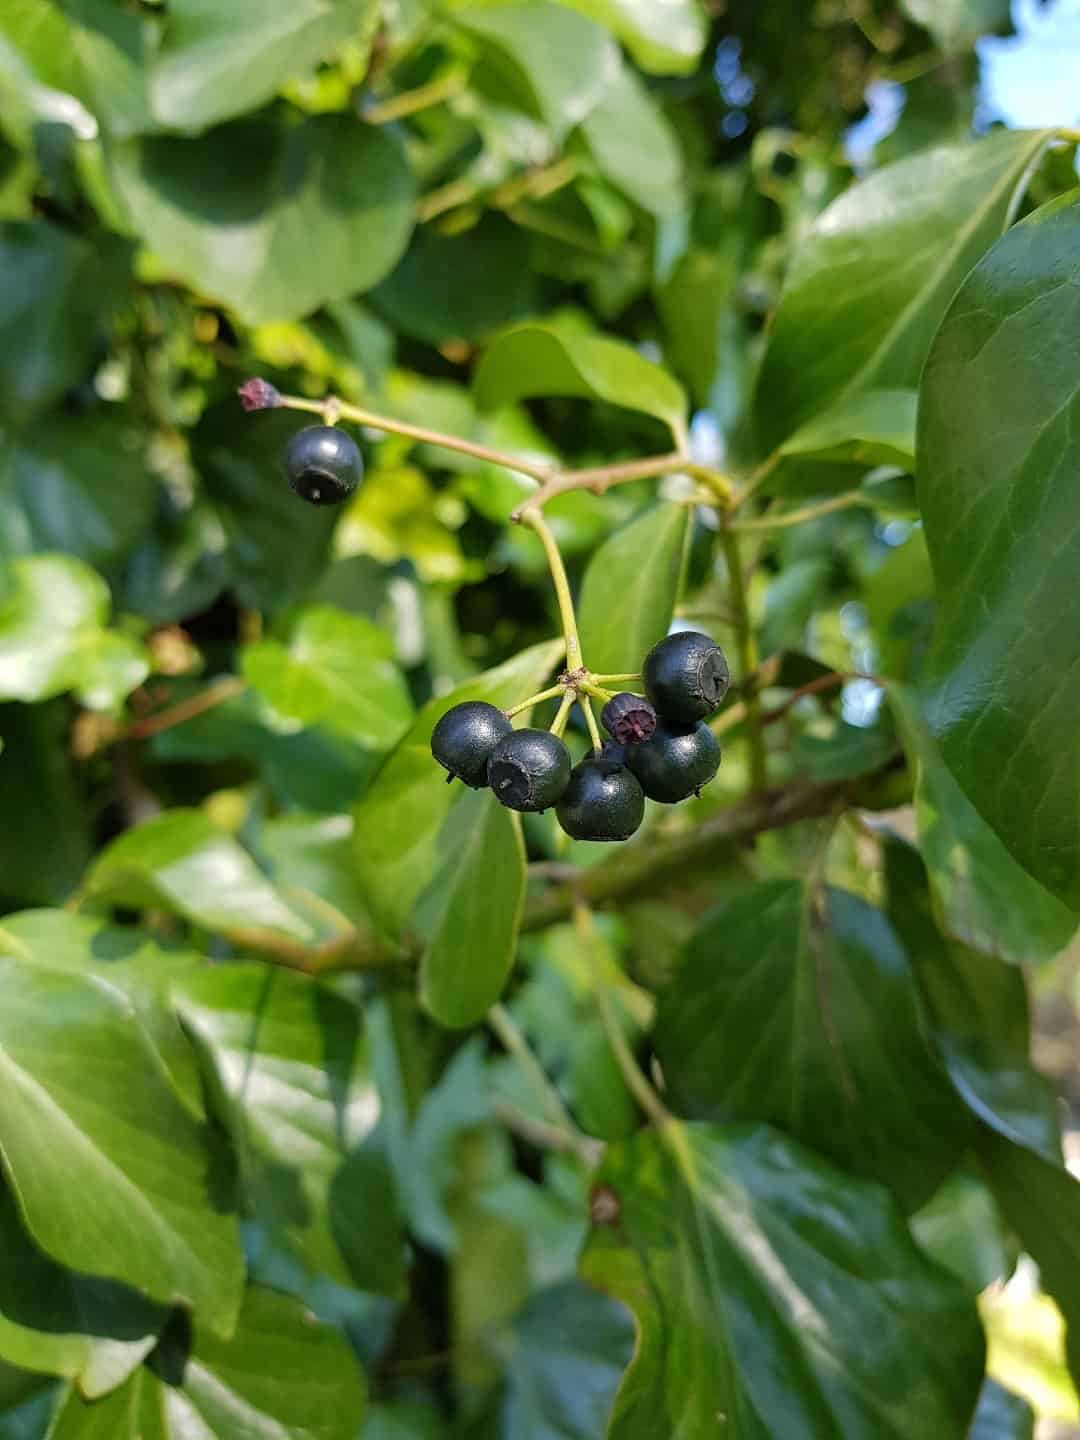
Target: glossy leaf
x=542 y=360
x=871 y=427
x=634 y=146
x=86 y=1112
x=871 y=282
x=400 y=820
x=630 y=588
x=756 y=1273
x=57 y=300
x=470 y=912
x=665 y=37
x=325 y=213
x=997 y=456
x=290 y=1060
x=42 y=858
x=52 y=637
x=550 y=61
x=217 y=61
x=337 y=670
x=180 y=861
x=984 y=898
x=955 y=24
x=282 y=1376
x=805 y=1015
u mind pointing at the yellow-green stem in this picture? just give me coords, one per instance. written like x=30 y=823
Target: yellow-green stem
x=590 y=721
x=410 y=102
x=535 y=521
x=558 y=725
x=552 y=693
x=802 y=516
x=615 y=679
x=747 y=657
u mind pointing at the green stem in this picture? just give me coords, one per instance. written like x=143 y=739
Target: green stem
x=514 y=1042
x=615 y=679
x=535 y=521
x=558 y=725
x=801 y=516
x=409 y=102
x=757 y=479
x=550 y=694
x=588 y=687
x=590 y=721
x=746 y=647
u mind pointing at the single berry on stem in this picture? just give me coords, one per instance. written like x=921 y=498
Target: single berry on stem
x=603 y=801
x=676 y=762
x=686 y=677
x=323 y=464
x=529 y=770
x=629 y=719
x=464 y=738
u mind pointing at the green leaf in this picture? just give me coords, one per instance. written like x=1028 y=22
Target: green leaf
x=282 y=1376
x=216 y=61
x=401 y=816
x=58 y=298
x=983 y=896
x=665 y=37
x=849 y=751
x=290 y=1062
x=871 y=282
x=326 y=212
x=961 y=1229
x=867 y=428
x=756 y=1273
x=630 y=588
x=997 y=456
x=956 y=24
x=52 y=640
x=338 y=671
x=544 y=59
x=43 y=857
x=93 y=1332
x=542 y=360
x=470 y=912
x=634 y=146
x=181 y=862
x=804 y=1014
x=1002 y=1415
x=88 y=1118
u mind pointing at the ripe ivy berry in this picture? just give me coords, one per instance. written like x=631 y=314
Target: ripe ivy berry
x=630 y=719
x=323 y=464
x=529 y=770
x=464 y=738
x=686 y=677
x=603 y=801
x=676 y=762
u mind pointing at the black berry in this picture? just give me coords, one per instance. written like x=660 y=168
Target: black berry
x=323 y=464
x=529 y=769
x=464 y=738
x=686 y=677
x=630 y=719
x=603 y=801
x=676 y=762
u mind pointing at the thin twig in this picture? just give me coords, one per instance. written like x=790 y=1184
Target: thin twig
x=184 y=710
x=802 y=516
x=535 y=521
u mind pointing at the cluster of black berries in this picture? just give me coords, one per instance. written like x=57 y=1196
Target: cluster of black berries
x=660 y=747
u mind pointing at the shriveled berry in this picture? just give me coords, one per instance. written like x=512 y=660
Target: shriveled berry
x=323 y=464
x=630 y=719
x=259 y=394
x=686 y=677
x=676 y=762
x=464 y=738
x=529 y=770
x=603 y=801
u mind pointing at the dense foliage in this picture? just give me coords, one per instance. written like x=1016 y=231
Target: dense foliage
x=336 y=1100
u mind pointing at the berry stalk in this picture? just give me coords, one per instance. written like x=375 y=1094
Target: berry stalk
x=535 y=521
x=590 y=721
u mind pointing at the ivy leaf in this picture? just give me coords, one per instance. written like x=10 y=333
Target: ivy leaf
x=548 y=61
x=52 y=637
x=290 y=1059
x=956 y=24
x=665 y=37
x=181 y=862
x=400 y=819
x=998 y=453
x=806 y=1016
x=755 y=1273
x=326 y=212
x=337 y=670
x=536 y=360
x=469 y=914
x=282 y=1376
x=93 y=1332
x=867 y=428
x=983 y=896
x=217 y=61
x=630 y=588
x=59 y=295
x=634 y=146
x=872 y=280
x=89 y=1118
x=42 y=858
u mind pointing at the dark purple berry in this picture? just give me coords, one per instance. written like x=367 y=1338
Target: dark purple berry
x=323 y=464
x=686 y=677
x=603 y=801
x=630 y=719
x=464 y=738
x=529 y=770
x=258 y=394
x=676 y=762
